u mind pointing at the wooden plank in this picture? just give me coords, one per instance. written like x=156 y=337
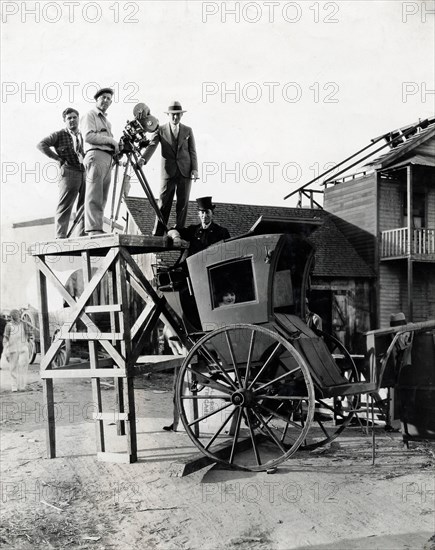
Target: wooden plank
x=82 y=373
x=93 y=355
x=103 y=309
x=197 y=461
x=99 y=244
x=64 y=335
x=126 y=350
x=110 y=416
x=160 y=359
x=47 y=385
x=320 y=364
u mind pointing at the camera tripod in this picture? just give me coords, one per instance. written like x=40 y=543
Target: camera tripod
x=130 y=150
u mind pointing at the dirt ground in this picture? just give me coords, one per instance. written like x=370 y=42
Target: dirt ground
x=327 y=498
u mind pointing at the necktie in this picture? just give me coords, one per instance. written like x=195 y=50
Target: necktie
x=79 y=145
x=175 y=131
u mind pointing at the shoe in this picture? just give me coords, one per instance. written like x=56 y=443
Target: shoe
x=169 y=428
x=94 y=232
x=14 y=390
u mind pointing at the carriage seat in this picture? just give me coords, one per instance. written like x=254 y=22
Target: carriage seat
x=324 y=370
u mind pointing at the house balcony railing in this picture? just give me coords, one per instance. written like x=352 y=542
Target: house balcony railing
x=394 y=243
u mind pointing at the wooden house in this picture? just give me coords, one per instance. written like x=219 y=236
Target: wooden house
x=387 y=212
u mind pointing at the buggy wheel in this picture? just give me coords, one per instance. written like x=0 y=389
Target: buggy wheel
x=236 y=394
x=63 y=355
x=29 y=320
x=333 y=415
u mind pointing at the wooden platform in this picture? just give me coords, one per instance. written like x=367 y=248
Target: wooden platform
x=136 y=244
x=122 y=342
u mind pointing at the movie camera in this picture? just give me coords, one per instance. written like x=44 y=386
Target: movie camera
x=136 y=130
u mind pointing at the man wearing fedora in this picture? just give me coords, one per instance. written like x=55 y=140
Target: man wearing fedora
x=100 y=147
x=202 y=235
x=179 y=165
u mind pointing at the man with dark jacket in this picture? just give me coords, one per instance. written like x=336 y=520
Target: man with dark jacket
x=68 y=151
x=203 y=234
x=179 y=165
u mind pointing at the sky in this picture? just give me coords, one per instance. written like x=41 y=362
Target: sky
x=274 y=91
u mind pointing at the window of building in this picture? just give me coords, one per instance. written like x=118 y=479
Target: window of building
x=418 y=210
x=232 y=283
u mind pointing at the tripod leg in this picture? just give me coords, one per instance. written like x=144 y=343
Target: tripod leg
x=147 y=189
x=79 y=216
x=112 y=209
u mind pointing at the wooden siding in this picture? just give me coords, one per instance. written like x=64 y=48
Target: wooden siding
x=354 y=204
x=430 y=212
x=390 y=204
x=424 y=292
x=394 y=291
x=392 y=296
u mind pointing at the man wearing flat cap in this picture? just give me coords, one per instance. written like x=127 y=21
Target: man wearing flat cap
x=100 y=147
x=66 y=147
x=179 y=165
x=202 y=235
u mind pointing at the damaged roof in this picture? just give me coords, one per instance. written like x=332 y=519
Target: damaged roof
x=335 y=256
x=419 y=148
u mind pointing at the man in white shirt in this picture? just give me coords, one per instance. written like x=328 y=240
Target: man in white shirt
x=100 y=146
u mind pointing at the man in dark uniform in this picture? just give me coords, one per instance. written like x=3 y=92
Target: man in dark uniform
x=204 y=234
x=200 y=236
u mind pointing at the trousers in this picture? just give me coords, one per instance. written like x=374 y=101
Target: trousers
x=180 y=186
x=98 y=166
x=71 y=186
x=19 y=364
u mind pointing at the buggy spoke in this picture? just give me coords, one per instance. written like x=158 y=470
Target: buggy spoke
x=216 y=434
x=209 y=414
x=254 y=446
x=281 y=417
x=248 y=364
x=224 y=372
x=209 y=381
x=236 y=434
x=271 y=434
x=283 y=397
x=275 y=380
x=266 y=364
x=233 y=359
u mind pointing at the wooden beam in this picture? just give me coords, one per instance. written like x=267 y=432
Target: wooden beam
x=84 y=373
x=93 y=355
x=409 y=191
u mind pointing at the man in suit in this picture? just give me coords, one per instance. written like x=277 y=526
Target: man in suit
x=203 y=234
x=66 y=147
x=179 y=165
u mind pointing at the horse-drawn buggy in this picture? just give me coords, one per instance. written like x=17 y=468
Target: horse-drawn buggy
x=257 y=383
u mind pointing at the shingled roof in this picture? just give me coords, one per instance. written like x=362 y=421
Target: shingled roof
x=335 y=256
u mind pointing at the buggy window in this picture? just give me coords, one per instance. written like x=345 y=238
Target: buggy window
x=232 y=282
